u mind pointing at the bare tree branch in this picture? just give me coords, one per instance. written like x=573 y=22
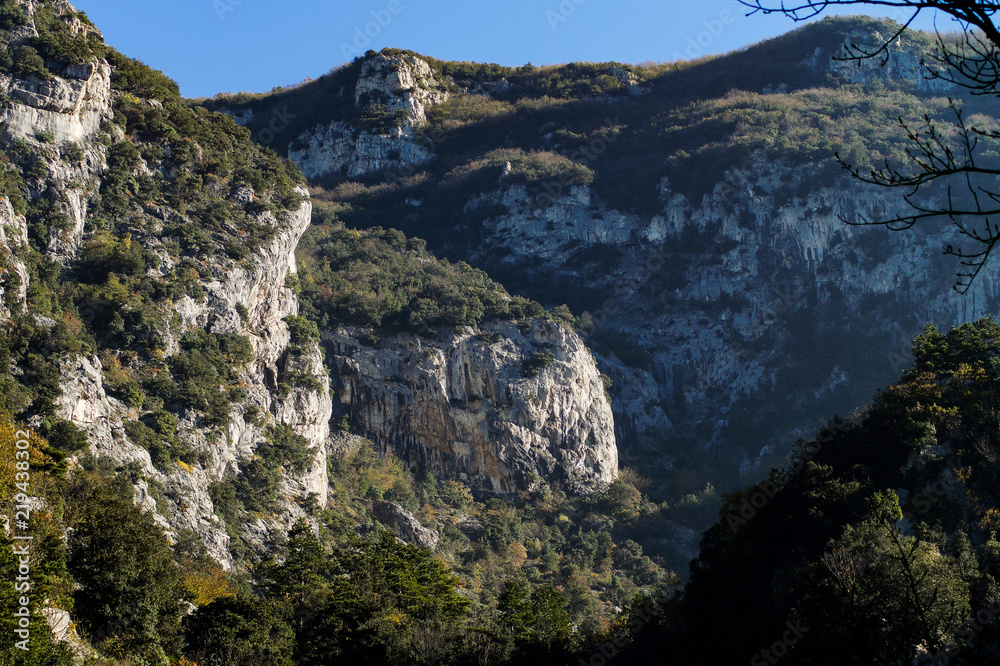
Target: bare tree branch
x=947 y=178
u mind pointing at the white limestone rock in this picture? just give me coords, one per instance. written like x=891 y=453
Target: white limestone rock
x=463 y=408
x=401 y=84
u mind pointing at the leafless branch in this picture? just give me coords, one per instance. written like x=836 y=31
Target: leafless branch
x=948 y=163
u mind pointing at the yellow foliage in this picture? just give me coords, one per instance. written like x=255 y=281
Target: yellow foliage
x=395 y=617
x=207 y=586
x=991 y=521
x=427 y=513
x=966 y=373
x=10 y=433
x=517 y=554
x=371 y=468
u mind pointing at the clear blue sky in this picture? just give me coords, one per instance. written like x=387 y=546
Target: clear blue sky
x=211 y=46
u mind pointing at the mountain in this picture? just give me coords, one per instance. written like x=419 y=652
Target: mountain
x=254 y=411
x=177 y=398
x=689 y=216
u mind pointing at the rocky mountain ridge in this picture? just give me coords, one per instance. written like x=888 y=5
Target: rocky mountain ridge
x=732 y=315
x=190 y=393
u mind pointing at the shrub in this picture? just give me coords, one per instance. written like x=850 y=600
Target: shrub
x=73 y=153
x=538 y=362
x=12 y=15
x=286 y=446
x=381 y=278
x=104 y=254
x=205 y=364
x=64 y=435
x=27 y=63
x=302 y=330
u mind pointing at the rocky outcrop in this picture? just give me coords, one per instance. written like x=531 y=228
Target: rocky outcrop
x=404 y=524
x=71 y=106
x=738 y=322
x=338 y=148
x=64 y=631
x=13 y=272
x=630 y=81
x=52 y=115
x=499 y=408
x=257 y=286
x=402 y=87
x=398 y=83
x=904 y=60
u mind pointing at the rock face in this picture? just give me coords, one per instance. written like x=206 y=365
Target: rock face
x=398 y=83
x=739 y=321
x=404 y=524
x=257 y=286
x=470 y=407
x=402 y=87
x=248 y=298
x=51 y=115
x=903 y=61
x=630 y=81
x=13 y=241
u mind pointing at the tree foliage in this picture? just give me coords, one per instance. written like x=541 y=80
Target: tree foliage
x=129 y=585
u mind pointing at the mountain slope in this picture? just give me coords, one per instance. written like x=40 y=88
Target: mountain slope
x=179 y=406
x=877 y=546
x=688 y=214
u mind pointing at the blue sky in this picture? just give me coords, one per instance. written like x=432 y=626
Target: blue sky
x=212 y=46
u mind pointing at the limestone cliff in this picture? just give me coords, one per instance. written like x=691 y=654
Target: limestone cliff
x=402 y=87
x=500 y=408
x=57 y=126
x=756 y=308
x=258 y=287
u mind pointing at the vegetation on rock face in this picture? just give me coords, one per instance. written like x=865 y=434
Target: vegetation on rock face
x=378 y=278
x=184 y=188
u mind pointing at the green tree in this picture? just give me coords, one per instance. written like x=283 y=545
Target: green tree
x=533 y=621
x=44 y=651
x=238 y=631
x=129 y=586
x=298 y=583
x=388 y=602
x=890 y=596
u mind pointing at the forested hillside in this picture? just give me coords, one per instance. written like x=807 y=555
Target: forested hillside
x=688 y=215
x=378 y=418
x=877 y=546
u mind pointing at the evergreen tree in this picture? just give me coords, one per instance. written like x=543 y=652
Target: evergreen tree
x=239 y=631
x=129 y=586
